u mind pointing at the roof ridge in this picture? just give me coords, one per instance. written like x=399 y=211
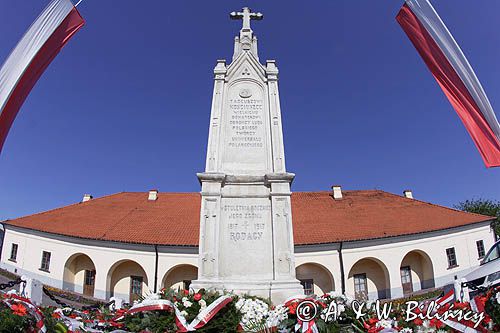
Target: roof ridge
x=59 y=208
x=326 y=191
x=445 y=207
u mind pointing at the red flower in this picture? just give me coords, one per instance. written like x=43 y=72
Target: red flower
x=186 y=292
x=459 y=305
x=19 y=309
x=436 y=323
x=292 y=307
x=56 y=315
x=418 y=321
x=197 y=297
x=120 y=312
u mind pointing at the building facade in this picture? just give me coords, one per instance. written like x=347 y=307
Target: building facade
x=126 y=245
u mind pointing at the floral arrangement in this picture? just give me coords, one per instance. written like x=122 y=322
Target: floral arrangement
x=207 y=311
x=491 y=304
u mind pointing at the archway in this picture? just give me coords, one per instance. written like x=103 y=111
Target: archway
x=416 y=272
x=79 y=274
x=369 y=279
x=180 y=277
x=315 y=278
x=127 y=280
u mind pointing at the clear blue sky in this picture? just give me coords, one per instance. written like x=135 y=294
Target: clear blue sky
x=125 y=106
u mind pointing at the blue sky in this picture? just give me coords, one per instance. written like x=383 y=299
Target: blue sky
x=125 y=106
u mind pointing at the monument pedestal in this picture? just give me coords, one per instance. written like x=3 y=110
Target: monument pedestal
x=246 y=235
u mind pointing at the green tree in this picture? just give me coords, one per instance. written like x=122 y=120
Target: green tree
x=484 y=207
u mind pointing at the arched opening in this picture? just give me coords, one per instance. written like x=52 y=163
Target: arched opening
x=369 y=279
x=180 y=277
x=416 y=272
x=127 y=280
x=79 y=274
x=315 y=278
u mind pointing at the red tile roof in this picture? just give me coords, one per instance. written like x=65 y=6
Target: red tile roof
x=173 y=219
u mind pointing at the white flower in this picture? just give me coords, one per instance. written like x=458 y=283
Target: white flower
x=406 y=330
x=184 y=313
x=203 y=303
x=252 y=310
x=276 y=316
x=187 y=303
x=384 y=323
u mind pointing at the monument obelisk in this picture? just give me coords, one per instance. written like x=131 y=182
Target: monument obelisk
x=246 y=235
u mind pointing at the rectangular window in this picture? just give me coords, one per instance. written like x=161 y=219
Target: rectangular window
x=89 y=277
x=45 y=261
x=13 y=252
x=136 y=285
x=308 y=285
x=480 y=249
x=452 y=257
x=360 y=287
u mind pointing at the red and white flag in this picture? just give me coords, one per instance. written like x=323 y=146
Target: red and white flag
x=58 y=22
x=454 y=74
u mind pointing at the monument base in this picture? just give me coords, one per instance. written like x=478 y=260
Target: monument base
x=276 y=291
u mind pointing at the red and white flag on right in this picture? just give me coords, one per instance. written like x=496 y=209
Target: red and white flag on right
x=454 y=74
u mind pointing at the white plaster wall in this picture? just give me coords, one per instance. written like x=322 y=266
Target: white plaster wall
x=322 y=279
x=104 y=255
x=74 y=272
x=175 y=277
x=376 y=279
x=391 y=252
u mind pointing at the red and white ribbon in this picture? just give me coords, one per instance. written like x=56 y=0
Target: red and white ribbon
x=306 y=326
x=203 y=317
x=449 y=297
x=183 y=326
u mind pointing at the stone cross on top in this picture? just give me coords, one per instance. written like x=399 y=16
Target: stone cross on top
x=246 y=15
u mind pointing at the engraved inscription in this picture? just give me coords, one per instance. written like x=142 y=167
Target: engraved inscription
x=245 y=222
x=245 y=130
x=246 y=122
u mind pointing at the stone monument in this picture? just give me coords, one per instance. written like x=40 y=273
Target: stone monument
x=246 y=235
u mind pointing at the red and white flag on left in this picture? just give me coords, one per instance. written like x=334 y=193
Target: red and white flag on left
x=454 y=74
x=58 y=22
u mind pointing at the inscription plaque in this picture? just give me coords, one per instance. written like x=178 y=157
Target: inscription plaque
x=245 y=132
x=247 y=236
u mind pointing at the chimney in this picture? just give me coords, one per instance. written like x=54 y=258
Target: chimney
x=337 y=192
x=408 y=194
x=153 y=195
x=86 y=197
